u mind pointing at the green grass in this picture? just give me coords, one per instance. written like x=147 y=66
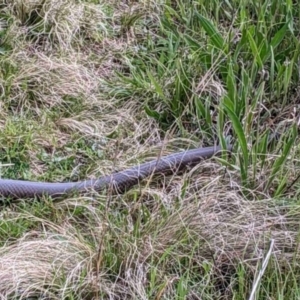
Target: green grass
x=91 y=87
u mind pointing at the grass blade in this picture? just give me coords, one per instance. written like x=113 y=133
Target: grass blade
x=212 y=31
x=254 y=49
x=279 y=162
x=156 y=85
x=227 y=103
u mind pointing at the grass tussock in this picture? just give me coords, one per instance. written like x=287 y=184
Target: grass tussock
x=55 y=24
x=47 y=80
x=208 y=234
x=90 y=87
x=35 y=260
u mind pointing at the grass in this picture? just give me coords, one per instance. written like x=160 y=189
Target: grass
x=92 y=87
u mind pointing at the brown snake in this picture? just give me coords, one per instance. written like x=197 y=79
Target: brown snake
x=117 y=182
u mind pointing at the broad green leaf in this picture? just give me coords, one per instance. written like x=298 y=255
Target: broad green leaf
x=279 y=36
x=192 y=42
x=281 y=186
x=238 y=130
x=254 y=50
x=245 y=88
x=264 y=51
x=220 y=126
x=262 y=149
x=156 y=85
x=231 y=86
x=272 y=70
x=279 y=162
x=243 y=169
x=275 y=42
x=212 y=32
x=200 y=108
x=152 y=113
x=253 y=107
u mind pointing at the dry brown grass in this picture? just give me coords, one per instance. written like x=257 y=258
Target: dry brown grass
x=55 y=23
x=45 y=80
x=36 y=266
x=211 y=222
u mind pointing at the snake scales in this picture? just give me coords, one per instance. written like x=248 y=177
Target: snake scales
x=117 y=182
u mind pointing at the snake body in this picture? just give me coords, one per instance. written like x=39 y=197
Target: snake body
x=118 y=182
